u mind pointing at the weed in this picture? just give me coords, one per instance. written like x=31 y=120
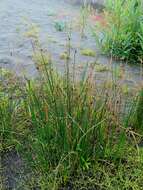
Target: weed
x=64 y=56
x=88 y=52
x=122 y=36
x=70 y=132
x=101 y=68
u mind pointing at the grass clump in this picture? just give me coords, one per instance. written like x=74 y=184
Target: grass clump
x=69 y=127
x=72 y=125
x=64 y=56
x=11 y=111
x=101 y=68
x=88 y=52
x=122 y=35
x=136 y=112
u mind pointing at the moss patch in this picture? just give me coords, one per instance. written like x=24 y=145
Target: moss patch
x=88 y=52
x=64 y=56
x=101 y=68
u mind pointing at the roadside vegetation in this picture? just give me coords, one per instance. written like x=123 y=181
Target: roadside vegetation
x=121 y=33
x=70 y=132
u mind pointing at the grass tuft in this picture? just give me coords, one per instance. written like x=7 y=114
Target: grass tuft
x=122 y=35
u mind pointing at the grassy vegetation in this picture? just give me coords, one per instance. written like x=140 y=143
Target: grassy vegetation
x=88 y=52
x=121 y=35
x=71 y=133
